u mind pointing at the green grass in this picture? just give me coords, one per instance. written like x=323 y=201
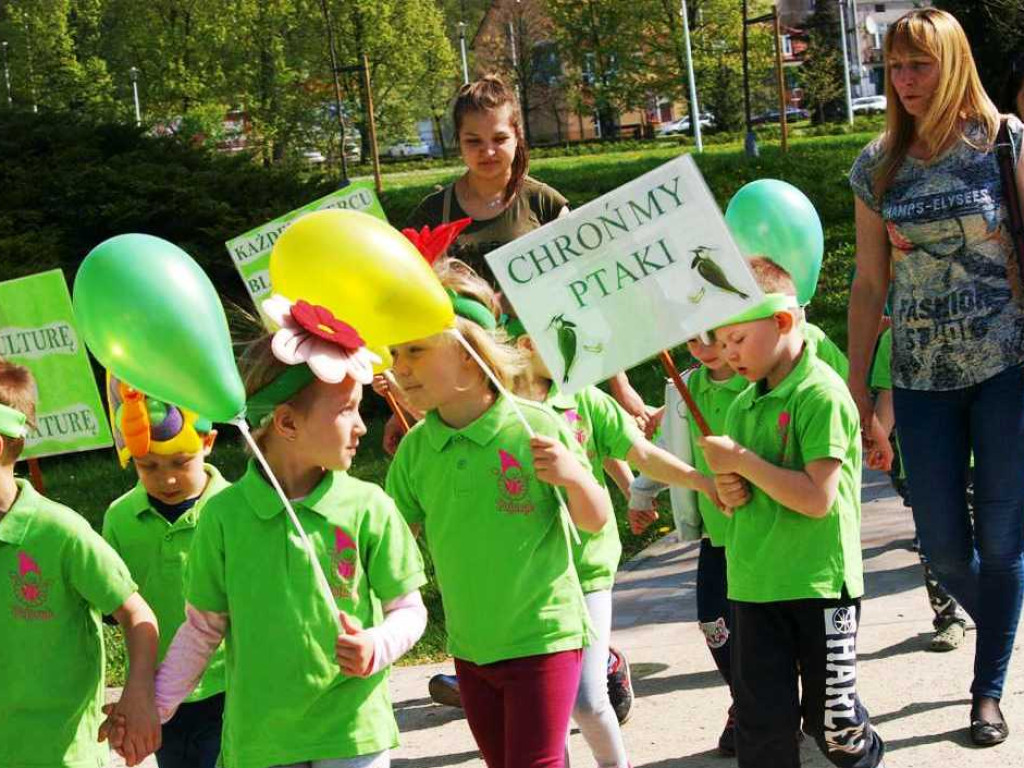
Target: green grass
x=817 y=165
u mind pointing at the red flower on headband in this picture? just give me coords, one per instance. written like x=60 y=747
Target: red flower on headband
x=431 y=243
x=320 y=322
x=312 y=335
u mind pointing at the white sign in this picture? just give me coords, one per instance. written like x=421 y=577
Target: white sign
x=642 y=269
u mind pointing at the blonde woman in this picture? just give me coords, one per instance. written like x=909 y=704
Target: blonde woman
x=932 y=221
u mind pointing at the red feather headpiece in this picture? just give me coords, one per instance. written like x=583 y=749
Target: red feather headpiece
x=431 y=243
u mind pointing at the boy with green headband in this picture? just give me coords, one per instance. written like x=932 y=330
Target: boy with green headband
x=152 y=527
x=794 y=568
x=62 y=579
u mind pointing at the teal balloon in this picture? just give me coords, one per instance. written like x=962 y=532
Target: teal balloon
x=152 y=317
x=771 y=218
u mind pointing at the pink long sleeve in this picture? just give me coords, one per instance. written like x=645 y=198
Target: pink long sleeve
x=405 y=618
x=187 y=657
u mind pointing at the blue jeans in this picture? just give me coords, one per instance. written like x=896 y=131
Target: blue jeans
x=191 y=739
x=981 y=564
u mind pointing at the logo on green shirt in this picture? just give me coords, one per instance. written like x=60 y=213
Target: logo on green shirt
x=783 y=429
x=513 y=486
x=30 y=590
x=344 y=560
x=578 y=427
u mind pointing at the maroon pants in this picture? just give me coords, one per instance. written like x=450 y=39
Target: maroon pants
x=518 y=710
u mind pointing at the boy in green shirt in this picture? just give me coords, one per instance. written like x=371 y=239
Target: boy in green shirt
x=714 y=386
x=152 y=527
x=794 y=563
x=62 y=578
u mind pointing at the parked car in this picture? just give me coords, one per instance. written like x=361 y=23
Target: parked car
x=869 y=105
x=682 y=125
x=410 y=149
x=772 y=116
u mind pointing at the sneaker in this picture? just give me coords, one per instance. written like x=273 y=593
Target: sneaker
x=949 y=638
x=620 y=686
x=727 y=741
x=444 y=690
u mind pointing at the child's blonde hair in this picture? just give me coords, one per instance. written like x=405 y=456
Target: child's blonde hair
x=505 y=360
x=259 y=368
x=959 y=99
x=18 y=391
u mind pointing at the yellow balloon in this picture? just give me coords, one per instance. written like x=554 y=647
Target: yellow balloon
x=366 y=272
x=386 y=361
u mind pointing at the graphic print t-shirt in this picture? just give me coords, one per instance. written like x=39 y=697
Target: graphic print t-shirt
x=955 y=321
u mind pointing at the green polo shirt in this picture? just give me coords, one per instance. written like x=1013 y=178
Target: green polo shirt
x=287 y=701
x=500 y=548
x=826 y=350
x=156 y=553
x=604 y=430
x=59 y=578
x=713 y=398
x=774 y=553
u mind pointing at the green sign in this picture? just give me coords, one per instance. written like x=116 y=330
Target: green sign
x=37 y=331
x=251 y=251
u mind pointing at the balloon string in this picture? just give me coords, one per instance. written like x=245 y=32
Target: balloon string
x=522 y=418
x=389 y=396
x=318 y=572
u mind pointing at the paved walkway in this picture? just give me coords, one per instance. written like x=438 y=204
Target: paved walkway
x=918 y=700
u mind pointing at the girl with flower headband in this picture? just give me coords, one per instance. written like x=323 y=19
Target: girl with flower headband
x=485 y=494
x=298 y=692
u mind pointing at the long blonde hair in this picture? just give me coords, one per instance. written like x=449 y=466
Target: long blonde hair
x=958 y=101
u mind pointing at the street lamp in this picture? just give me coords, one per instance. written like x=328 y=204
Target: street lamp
x=462 y=45
x=134 y=74
x=7 y=75
x=694 y=109
x=846 y=61
x=750 y=140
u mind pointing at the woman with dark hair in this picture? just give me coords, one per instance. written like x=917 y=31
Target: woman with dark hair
x=496 y=192
x=933 y=220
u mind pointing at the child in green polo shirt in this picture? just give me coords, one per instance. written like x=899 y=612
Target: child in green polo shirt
x=613 y=442
x=297 y=691
x=151 y=527
x=483 y=488
x=61 y=579
x=793 y=551
x=713 y=385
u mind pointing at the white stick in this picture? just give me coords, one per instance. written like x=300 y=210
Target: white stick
x=522 y=418
x=318 y=572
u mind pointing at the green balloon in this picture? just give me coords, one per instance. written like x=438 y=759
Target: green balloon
x=771 y=218
x=151 y=317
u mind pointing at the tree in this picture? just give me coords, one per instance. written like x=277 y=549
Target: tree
x=410 y=58
x=55 y=56
x=717 y=35
x=600 y=42
x=995 y=29
x=822 y=68
x=525 y=55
